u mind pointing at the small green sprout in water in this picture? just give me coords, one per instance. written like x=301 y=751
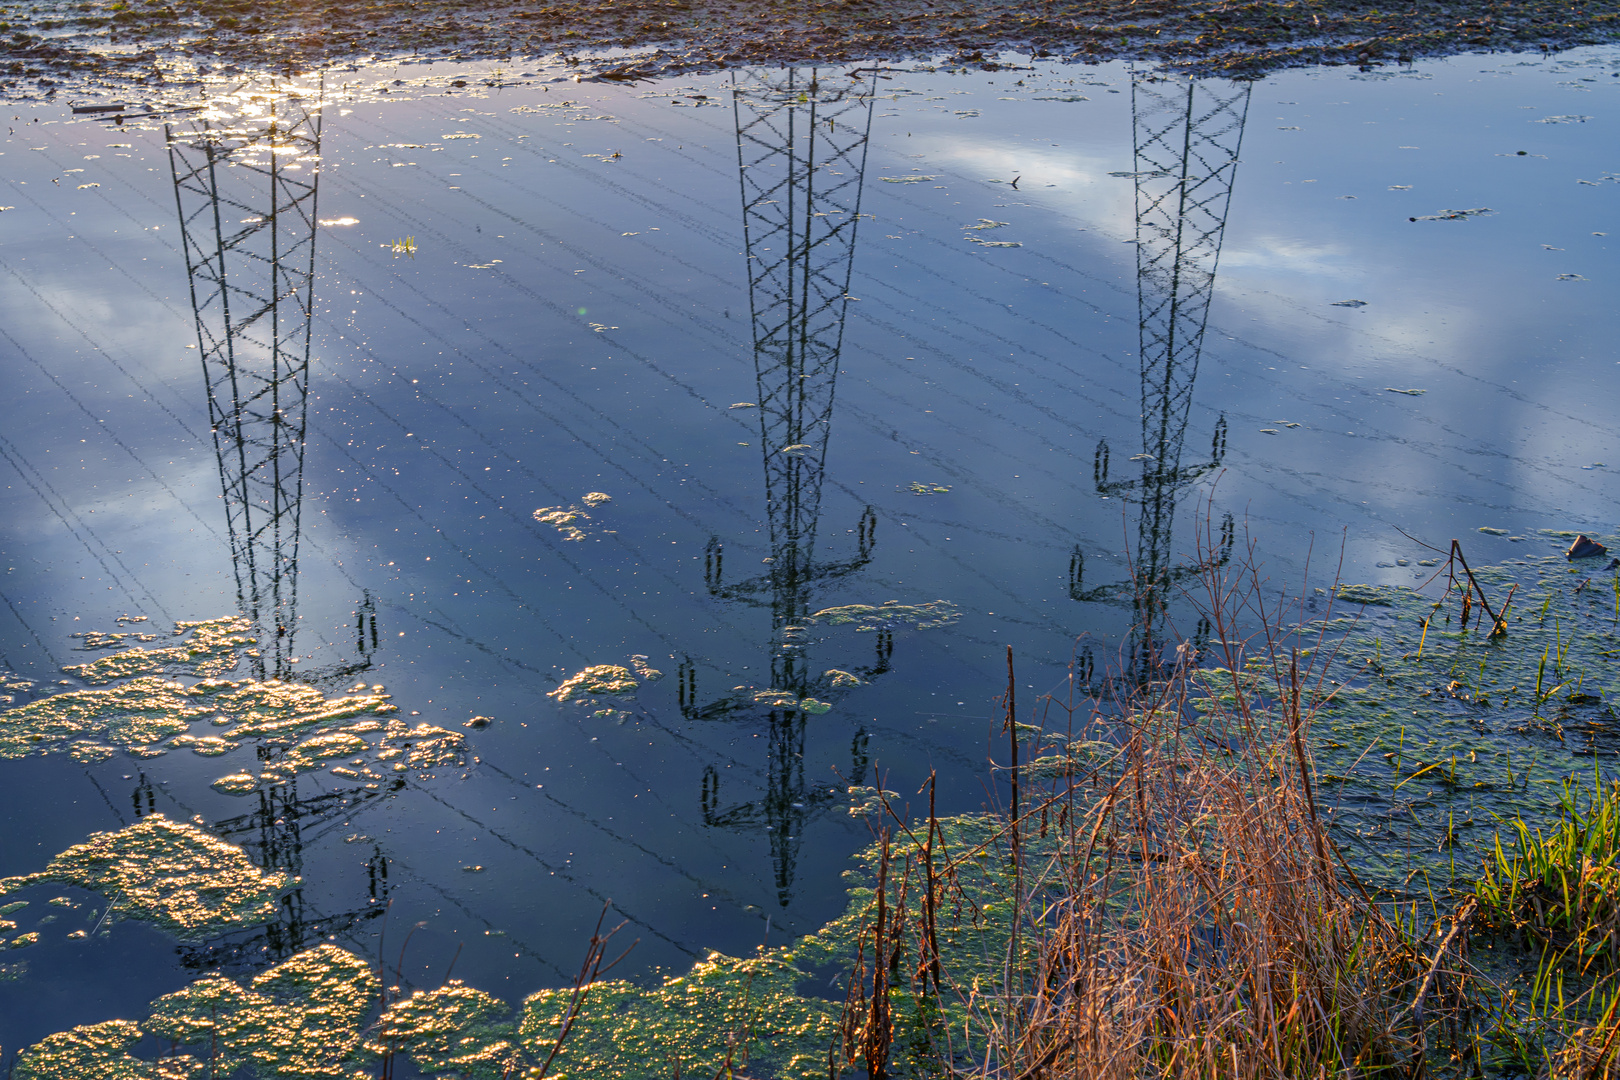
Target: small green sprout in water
x=405 y=246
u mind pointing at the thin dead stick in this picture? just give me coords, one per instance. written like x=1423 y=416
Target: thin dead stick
x=588 y=973
x=1498 y=625
x=1464 y=914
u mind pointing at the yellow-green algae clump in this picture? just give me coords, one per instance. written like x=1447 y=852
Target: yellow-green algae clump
x=686 y=1024
x=136 y=701
x=170 y=872
x=299 y=1020
x=138 y=704
x=610 y=680
x=890 y=613
x=454 y=1029
x=209 y=647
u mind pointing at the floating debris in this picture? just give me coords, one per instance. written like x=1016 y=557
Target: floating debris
x=1585 y=547
x=908 y=179
x=1350 y=303
x=1412 y=393
x=1489 y=531
x=837 y=678
x=919 y=488
x=1454 y=215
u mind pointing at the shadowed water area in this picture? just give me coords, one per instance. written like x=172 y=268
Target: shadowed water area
x=441 y=500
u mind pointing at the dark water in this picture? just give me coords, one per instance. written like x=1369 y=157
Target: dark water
x=1199 y=302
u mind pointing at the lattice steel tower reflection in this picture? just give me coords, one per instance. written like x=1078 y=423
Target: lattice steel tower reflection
x=246 y=177
x=801 y=156
x=1187 y=137
x=274 y=834
x=246 y=181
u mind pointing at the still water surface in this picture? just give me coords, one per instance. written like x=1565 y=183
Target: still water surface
x=818 y=349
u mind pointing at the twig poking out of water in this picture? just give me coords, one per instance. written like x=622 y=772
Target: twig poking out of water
x=589 y=972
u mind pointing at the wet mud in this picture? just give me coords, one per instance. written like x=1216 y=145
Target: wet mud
x=164 y=44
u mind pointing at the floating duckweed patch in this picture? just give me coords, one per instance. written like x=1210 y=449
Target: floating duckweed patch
x=787 y=699
x=425 y=746
x=609 y=680
x=837 y=678
x=211 y=745
x=454 y=1029
x=169 y=872
x=236 y=783
x=919 y=488
x=89 y=753
x=91 y=1052
x=137 y=703
x=207 y=648
x=140 y=705
x=889 y=614
x=571 y=520
x=300 y=1019
x=1366 y=594
x=687 y=1019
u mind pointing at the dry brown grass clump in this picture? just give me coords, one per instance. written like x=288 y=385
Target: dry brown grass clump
x=1179 y=908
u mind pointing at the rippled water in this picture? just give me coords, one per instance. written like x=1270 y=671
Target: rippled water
x=819 y=351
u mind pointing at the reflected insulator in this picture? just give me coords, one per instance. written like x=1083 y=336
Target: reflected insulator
x=713 y=553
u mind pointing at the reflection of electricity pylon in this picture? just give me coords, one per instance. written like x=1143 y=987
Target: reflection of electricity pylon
x=273 y=835
x=801 y=155
x=246 y=182
x=1187 y=137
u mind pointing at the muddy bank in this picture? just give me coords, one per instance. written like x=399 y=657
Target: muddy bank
x=51 y=47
